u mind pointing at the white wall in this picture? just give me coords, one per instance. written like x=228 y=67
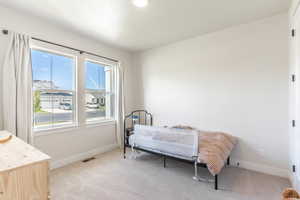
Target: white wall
x=235 y=80
x=67 y=144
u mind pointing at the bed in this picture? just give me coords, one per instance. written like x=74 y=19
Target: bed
x=205 y=149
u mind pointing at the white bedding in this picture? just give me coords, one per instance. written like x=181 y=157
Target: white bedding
x=175 y=142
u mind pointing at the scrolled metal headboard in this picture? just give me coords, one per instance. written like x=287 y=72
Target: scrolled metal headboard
x=143 y=117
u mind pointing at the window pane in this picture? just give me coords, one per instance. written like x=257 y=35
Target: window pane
x=52 y=71
x=52 y=108
x=63 y=72
x=98 y=106
x=41 y=70
x=53 y=86
x=95 y=106
x=40 y=105
x=94 y=76
x=62 y=109
x=98 y=96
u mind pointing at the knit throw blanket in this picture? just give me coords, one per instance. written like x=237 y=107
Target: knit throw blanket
x=213 y=148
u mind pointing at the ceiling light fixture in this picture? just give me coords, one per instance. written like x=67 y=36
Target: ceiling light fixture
x=140 y=3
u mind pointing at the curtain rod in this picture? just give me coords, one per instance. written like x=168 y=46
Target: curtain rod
x=5 y=32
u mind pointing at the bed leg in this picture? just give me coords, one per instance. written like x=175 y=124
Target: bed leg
x=228 y=160
x=216 y=182
x=124 y=151
x=196 y=171
x=165 y=161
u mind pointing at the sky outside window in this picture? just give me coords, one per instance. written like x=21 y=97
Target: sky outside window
x=95 y=76
x=52 y=67
x=60 y=69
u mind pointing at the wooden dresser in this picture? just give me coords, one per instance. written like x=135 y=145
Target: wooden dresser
x=23 y=171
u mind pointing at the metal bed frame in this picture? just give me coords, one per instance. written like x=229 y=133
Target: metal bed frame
x=148 y=120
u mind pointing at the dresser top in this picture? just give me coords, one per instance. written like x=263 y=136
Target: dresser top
x=16 y=153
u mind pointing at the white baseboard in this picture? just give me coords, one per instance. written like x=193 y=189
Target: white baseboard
x=295 y=181
x=261 y=168
x=81 y=156
x=292 y=180
x=242 y=164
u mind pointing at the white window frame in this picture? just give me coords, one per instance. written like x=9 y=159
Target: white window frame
x=111 y=65
x=41 y=46
x=79 y=112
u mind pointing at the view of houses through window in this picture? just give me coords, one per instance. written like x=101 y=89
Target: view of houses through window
x=97 y=91
x=54 y=90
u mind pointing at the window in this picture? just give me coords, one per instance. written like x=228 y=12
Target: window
x=98 y=91
x=53 y=89
x=69 y=88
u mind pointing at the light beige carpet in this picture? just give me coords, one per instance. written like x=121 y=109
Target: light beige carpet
x=110 y=177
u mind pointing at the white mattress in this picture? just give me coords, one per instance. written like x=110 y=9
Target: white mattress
x=174 y=142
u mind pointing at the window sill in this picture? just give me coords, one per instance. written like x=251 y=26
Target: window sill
x=100 y=123
x=53 y=130
x=71 y=127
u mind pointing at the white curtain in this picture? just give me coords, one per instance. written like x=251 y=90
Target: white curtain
x=17 y=84
x=119 y=103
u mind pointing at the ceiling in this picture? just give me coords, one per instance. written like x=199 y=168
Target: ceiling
x=119 y=23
